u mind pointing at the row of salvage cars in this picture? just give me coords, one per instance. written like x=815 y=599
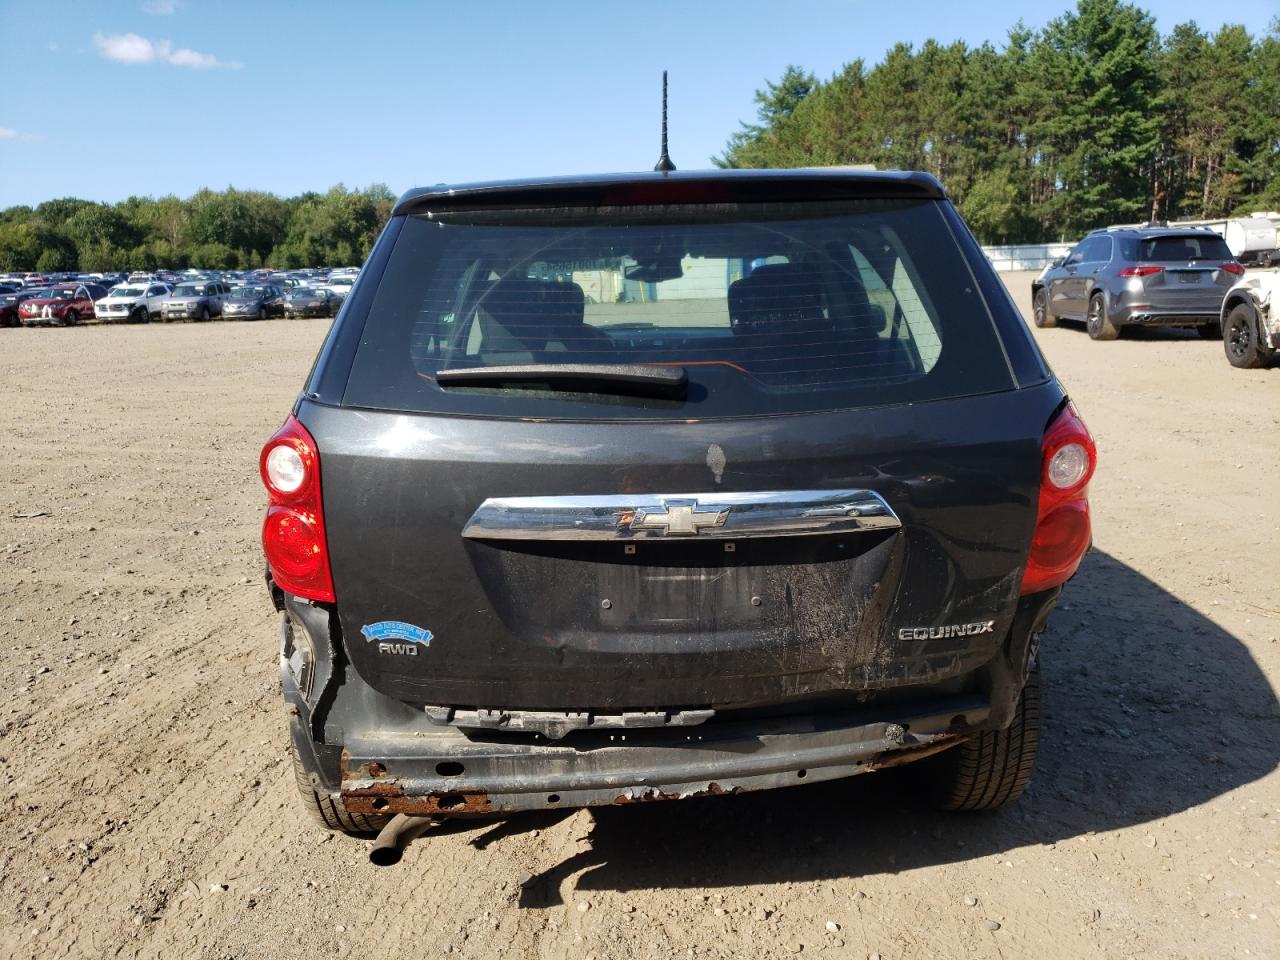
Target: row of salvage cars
x=68 y=304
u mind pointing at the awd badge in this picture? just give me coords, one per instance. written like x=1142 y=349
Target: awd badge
x=395 y=636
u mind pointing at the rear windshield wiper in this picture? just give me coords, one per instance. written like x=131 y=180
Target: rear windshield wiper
x=642 y=379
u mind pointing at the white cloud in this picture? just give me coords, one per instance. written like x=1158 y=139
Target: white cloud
x=125 y=48
x=53 y=46
x=182 y=57
x=8 y=133
x=160 y=8
x=133 y=49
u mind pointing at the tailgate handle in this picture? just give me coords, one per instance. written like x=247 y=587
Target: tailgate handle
x=726 y=516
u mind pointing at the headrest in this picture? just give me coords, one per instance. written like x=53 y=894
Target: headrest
x=777 y=296
x=535 y=301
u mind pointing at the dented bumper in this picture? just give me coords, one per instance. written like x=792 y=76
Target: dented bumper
x=398 y=775
x=383 y=756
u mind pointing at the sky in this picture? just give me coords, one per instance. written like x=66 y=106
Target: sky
x=103 y=99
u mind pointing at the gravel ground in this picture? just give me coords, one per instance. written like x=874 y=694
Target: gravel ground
x=148 y=808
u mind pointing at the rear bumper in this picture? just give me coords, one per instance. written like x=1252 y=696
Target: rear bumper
x=1154 y=316
x=383 y=756
x=1164 y=306
x=396 y=776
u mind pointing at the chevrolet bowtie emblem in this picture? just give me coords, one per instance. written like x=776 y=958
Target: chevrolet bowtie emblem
x=678 y=518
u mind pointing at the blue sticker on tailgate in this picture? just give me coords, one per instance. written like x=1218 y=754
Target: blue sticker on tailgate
x=396 y=630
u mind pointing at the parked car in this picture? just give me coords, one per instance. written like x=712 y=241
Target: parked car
x=339 y=285
x=63 y=305
x=1139 y=276
x=195 y=300
x=792 y=502
x=132 y=303
x=1251 y=320
x=9 y=303
x=254 y=302
x=306 y=302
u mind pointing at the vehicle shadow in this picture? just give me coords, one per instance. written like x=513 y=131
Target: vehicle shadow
x=1150 y=709
x=1139 y=332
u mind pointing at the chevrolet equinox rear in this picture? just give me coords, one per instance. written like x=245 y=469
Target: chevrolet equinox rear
x=661 y=485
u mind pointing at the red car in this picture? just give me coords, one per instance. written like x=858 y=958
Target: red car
x=61 y=306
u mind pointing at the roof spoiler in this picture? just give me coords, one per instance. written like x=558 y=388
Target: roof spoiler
x=726 y=186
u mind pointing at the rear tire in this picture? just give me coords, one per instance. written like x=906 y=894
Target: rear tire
x=1040 y=310
x=1098 y=323
x=328 y=810
x=1209 y=331
x=991 y=769
x=1240 y=339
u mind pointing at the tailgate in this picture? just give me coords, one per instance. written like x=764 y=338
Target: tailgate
x=669 y=566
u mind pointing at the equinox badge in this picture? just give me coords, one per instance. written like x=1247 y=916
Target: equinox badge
x=951 y=630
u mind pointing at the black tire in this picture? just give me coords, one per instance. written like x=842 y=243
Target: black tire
x=329 y=811
x=1209 y=331
x=142 y=316
x=1040 y=310
x=262 y=313
x=1240 y=339
x=992 y=768
x=1097 y=322
x=204 y=315
x=71 y=318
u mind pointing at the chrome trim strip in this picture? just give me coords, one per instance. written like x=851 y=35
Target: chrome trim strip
x=725 y=516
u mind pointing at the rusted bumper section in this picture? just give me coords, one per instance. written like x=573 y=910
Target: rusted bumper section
x=451 y=774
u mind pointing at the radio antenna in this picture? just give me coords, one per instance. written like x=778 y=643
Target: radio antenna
x=664 y=164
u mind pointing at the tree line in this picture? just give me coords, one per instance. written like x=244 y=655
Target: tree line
x=229 y=230
x=1095 y=119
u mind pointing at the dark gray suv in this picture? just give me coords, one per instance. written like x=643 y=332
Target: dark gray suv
x=1130 y=276
x=650 y=486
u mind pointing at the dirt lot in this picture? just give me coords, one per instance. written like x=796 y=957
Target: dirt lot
x=148 y=809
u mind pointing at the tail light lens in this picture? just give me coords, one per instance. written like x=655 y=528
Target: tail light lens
x=293 y=535
x=1145 y=270
x=1233 y=267
x=1068 y=458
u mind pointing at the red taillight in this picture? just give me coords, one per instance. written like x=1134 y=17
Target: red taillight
x=1068 y=458
x=1233 y=267
x=1146 y=270
x=293 y=535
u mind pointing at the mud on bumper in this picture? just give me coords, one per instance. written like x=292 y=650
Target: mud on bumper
x=402 y=763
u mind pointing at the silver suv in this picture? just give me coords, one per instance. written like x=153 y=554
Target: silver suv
x=1130 y=276
x=195 y=300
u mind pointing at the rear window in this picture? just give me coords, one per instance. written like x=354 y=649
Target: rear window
x=769 y=308
x=1177 y=249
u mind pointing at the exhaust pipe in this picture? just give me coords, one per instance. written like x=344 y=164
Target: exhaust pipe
x=400 y=831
